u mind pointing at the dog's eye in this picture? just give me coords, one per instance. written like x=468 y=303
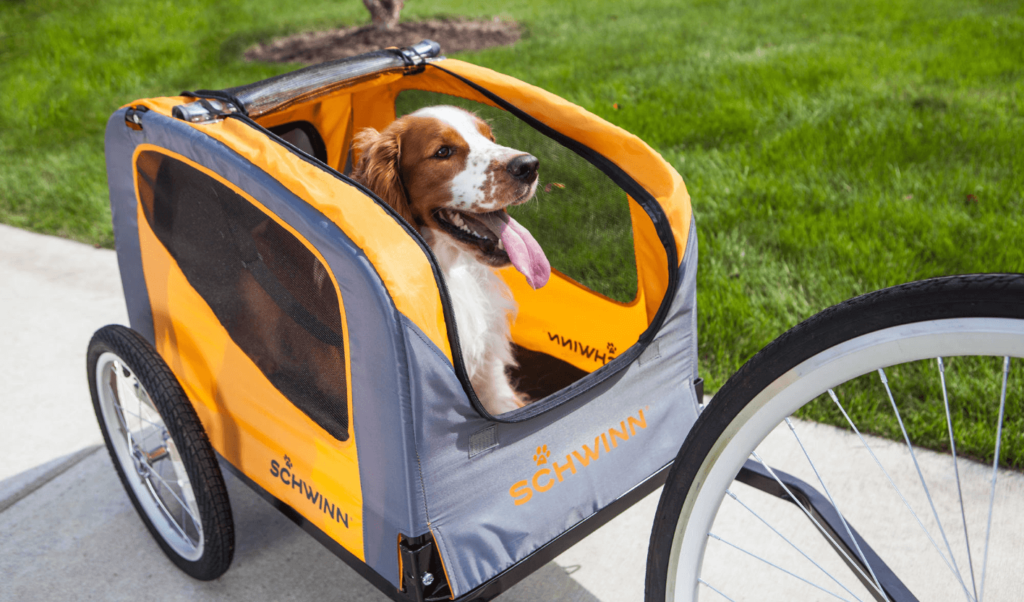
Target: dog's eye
x=443 y=152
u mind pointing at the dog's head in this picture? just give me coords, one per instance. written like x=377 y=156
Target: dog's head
x=440 y=168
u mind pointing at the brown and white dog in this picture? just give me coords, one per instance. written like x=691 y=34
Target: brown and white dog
x=442 y=171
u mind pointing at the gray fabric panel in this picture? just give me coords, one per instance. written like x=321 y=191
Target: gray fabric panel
x=469 y=508
x=381 y=399
x=119 y=145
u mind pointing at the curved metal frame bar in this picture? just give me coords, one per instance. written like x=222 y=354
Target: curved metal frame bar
x=277 y=92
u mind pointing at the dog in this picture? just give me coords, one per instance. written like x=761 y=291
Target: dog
x=301 y=349
x=442 y=171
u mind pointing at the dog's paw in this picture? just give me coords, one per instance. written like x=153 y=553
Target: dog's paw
x=542 y=455
x=523 y=399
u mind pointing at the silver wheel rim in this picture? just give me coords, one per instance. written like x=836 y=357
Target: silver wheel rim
x=148 y=457
x=1003 y=338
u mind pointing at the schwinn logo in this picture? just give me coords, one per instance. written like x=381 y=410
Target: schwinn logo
x=288 y=477
x=550 y=474
x=591 y=353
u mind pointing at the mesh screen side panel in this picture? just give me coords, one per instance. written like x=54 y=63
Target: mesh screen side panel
x=270 y=293
x=579 y=215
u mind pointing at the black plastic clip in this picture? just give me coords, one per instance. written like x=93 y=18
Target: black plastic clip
x=415 y=56
x=422 y=573
x=698 y=388
x=133 y=117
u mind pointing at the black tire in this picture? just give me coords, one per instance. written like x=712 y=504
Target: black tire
x=129 y=361
x=694 y=490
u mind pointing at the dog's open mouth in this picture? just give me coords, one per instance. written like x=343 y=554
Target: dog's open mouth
x=499 y=236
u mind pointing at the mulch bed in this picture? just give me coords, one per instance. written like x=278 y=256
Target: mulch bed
x=454 y=35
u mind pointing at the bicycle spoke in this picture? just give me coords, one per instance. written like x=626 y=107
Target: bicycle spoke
x=956 y=473
x=935 y=513
x=793 y=545
x=831 y=540
x=891 y=482
x=167 y=486
x=140 y=418
x=995 y=472
x=163 y=508
x=714 y=589
x=772 y=564
x=842 y=518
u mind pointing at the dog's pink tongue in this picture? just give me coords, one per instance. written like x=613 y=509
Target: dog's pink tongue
x=522 y=248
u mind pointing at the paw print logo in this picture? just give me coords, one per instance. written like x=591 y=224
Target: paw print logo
x=611 y=348
x=288 y=461
x=542 y=455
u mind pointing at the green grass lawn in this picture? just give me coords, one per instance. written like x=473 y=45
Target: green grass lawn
x=830 y=147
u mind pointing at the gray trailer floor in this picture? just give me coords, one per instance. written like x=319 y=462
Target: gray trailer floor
x=69 y=532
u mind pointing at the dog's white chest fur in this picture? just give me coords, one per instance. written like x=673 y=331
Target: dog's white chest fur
x=483 y=306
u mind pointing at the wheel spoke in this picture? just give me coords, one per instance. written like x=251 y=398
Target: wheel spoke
x=772 y=564
x=181 y=502
x=935 y=513
x=714 y=589
x=823 y=531
x=140 y=418
x=906 y=503
x=793 y=545
x=995 y=472
x=956 y=474
x=832 y=501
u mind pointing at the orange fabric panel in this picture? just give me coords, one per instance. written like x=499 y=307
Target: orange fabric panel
x=247 y=419
x=400 y=262
x=566 y=320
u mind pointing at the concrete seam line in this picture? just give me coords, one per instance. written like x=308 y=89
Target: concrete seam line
x=48 y=475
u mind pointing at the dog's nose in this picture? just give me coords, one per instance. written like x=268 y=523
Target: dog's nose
x=523 y=167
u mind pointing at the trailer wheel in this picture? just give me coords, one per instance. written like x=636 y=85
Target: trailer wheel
x=161 y=452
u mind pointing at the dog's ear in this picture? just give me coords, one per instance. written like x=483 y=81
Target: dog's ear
x=377 y=169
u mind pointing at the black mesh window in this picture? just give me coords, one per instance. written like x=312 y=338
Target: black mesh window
x=579 y=215
x=271 y=294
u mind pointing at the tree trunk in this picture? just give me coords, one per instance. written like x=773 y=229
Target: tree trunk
x=384 y=12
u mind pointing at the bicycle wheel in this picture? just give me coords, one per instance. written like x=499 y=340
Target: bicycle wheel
x=861 y=517
x=160 y=452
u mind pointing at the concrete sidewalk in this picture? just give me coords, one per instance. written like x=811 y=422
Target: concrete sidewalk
x=68 y=530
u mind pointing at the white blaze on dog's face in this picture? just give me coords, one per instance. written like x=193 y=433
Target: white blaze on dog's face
x=442 y=170
x=485 y=182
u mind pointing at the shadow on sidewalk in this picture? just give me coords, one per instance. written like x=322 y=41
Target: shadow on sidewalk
x=77 y=536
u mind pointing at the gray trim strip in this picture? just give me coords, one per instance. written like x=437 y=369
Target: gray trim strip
x=119 y=145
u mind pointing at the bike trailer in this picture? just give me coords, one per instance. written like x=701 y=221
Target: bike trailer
x=311 y=328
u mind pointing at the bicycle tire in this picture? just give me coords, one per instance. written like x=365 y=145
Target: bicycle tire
x=161 y=452
x=979 y=314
